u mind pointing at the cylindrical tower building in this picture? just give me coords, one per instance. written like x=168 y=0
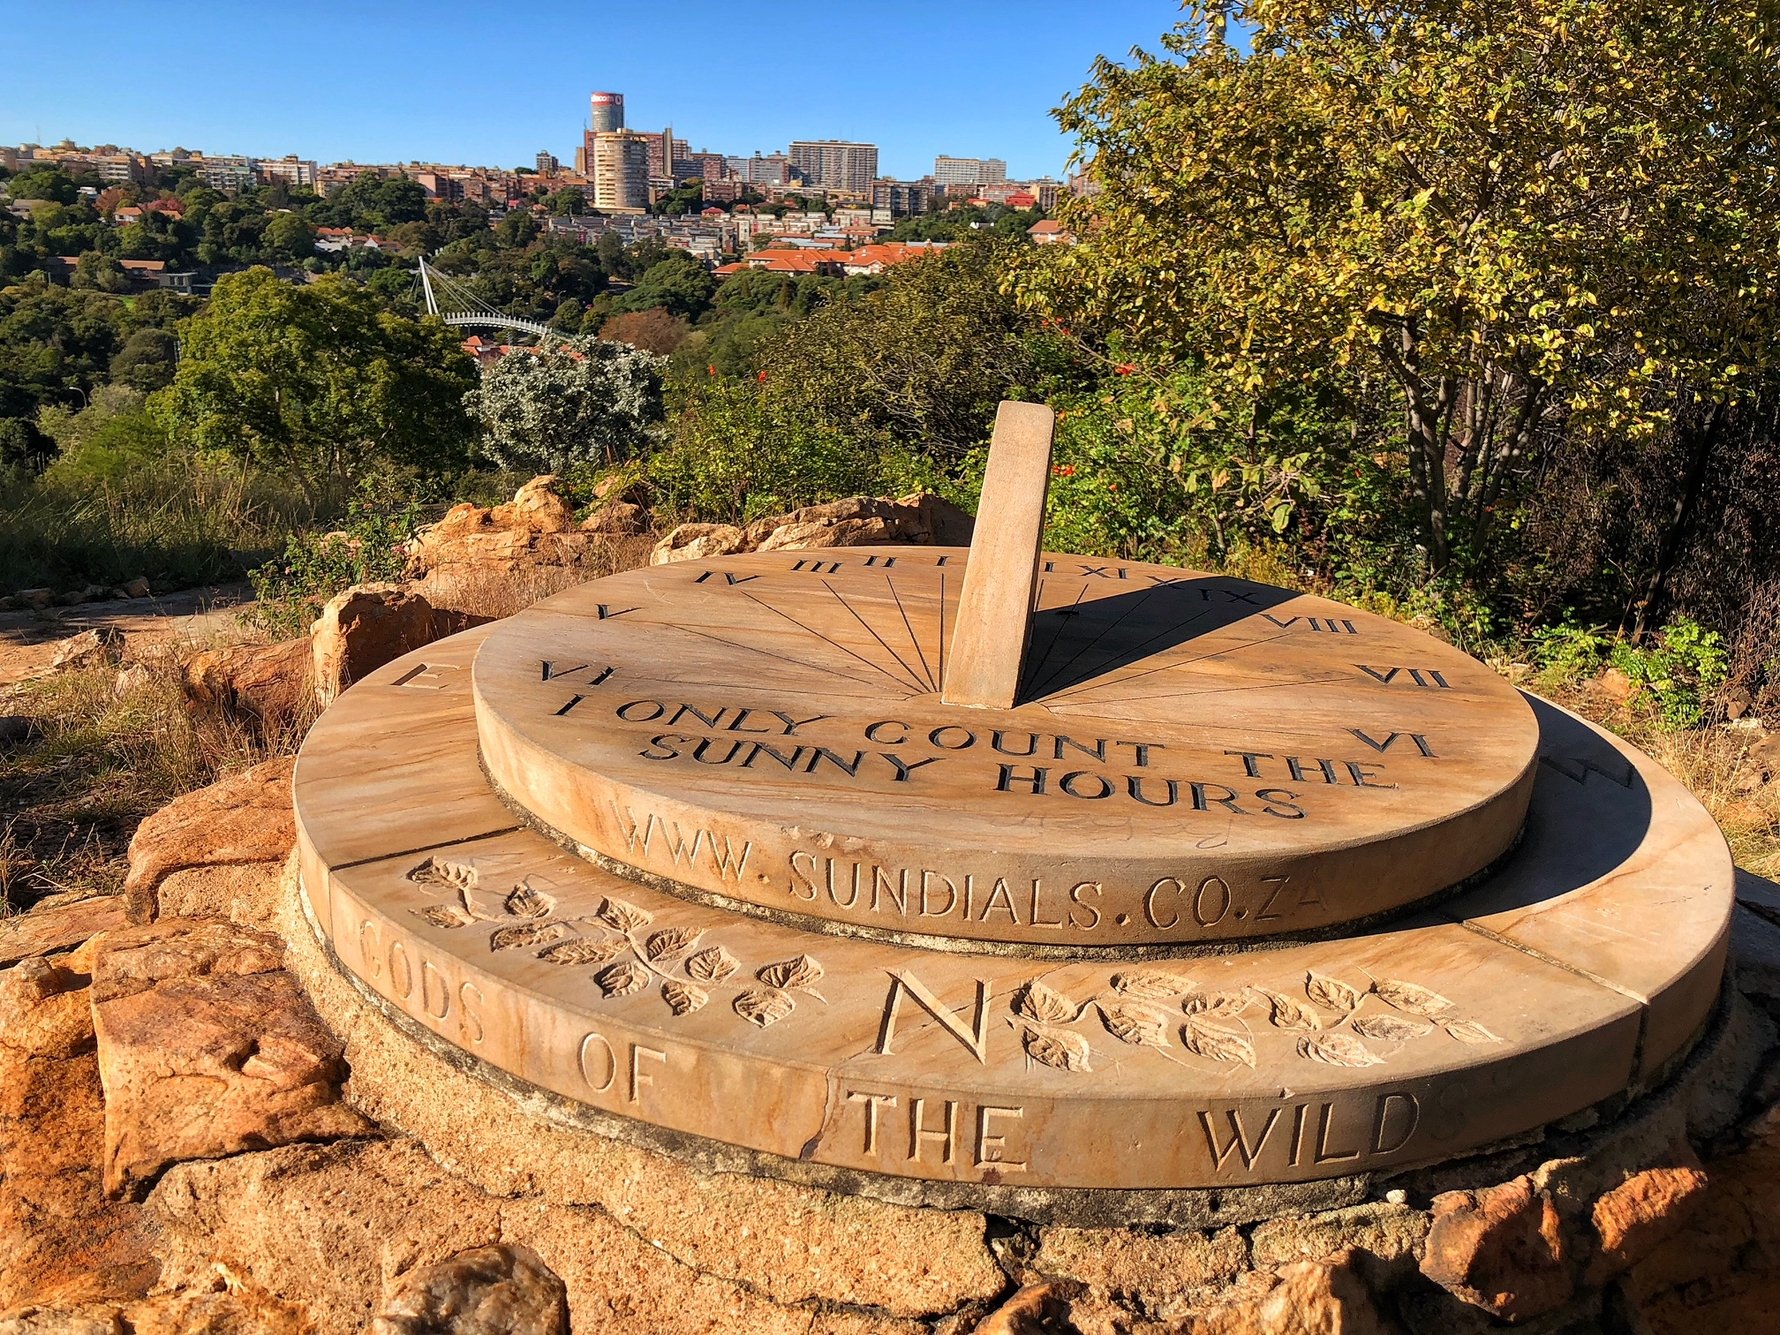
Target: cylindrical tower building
x=608 y=112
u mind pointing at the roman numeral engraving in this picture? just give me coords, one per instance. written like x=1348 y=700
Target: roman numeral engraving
x=1328 y=625
x=818 y=567
x=606 y=611
x=1421 y=742
x=548 y=671
x=1578 y=768
x=728 y=577
x=1427 y=678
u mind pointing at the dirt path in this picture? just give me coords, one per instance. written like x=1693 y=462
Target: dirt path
x=28 y=639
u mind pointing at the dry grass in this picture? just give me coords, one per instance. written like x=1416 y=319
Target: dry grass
x=106 y=747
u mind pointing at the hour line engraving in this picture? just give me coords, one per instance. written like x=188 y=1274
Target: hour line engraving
x=1428 y=678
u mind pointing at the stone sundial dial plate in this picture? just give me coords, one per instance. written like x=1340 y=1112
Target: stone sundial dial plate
x=1584 y=966
x=1191 y=758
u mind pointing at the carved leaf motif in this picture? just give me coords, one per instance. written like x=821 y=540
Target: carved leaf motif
x=1035 y=1001
x=1057 y=1048
x=683 y=998
x=764 y=1006
x=1284 y=1013
x=1205 y=1039
x=625 y=917
x=1337 y=1050
x=670 y=944
x=527 y=935
x=525 y=902
x=437 y=871
x=1134 y=1024
x=447 y=915
x=711 y=965
x=786 y=974
x=1226 y=1004
x=1330 y=992
x=1390 y=1028
x=582 y=951
x=1409 y=997
x=1468 y=1031
x=622 y=978
x=1150 y=984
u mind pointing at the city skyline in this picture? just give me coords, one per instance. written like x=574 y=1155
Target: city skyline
x=922 y=87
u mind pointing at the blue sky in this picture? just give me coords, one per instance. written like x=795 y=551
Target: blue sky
x=492 y=83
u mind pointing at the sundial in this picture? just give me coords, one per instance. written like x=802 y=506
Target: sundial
x=945 y=874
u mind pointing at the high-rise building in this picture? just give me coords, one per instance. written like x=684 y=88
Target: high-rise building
x=903 y=199
x=666 y=154
x=547 y=163
x=968 y=171
x=608 y=112
x=620 y=171
x=836 y=164
x=764 y=169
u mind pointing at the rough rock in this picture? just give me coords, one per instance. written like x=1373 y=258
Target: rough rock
x=1501 y=1249
x=46 y=929
x=1329 y=1297
x=1721 y=1272
x=537 y=505
x=180 y=856
x=101 y=646
x=1615 y=685
x=1131 y=1260
x=224 y=1311
x=855 y=522
x=138 y=588
x=698 y=542
x=1641 y=1212
x=1381 y=1229
x=36 y=599
x=491 y=560
x=501 y=1290
x=623 y=518
x=267 y=682
x=63 y=1241
x=329 y=1227
x=207 y=1048
x=1036 y=1309
x=369 y=625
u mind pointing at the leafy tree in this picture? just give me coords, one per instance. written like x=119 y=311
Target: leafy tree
x=679 y=284
x=574 y=403
x=567 y=202
x=55 y=343
x=652 y=330
x=1506 y=227
x=922 y=361
x=44 y=183
x=97 y=270
x=316 y=383
x=289 y=236
x=147 y=359
x=22 y=446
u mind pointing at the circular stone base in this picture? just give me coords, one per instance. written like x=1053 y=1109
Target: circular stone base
x=1192 y=759
x=1580 y=970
